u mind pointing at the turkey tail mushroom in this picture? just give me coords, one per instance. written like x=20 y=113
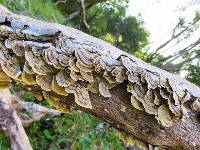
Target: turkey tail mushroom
x=57 y=59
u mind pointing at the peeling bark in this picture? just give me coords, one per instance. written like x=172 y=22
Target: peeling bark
x=64 y=64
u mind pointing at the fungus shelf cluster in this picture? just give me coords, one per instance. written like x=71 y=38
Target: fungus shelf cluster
x=67 y=61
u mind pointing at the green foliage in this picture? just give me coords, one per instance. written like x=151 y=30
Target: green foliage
x=194 y=73
x=4 y=143
x=140 y=54
x=193 y=67
x=75 y=130
x=112 y=25
x=28 y=97
x=43 y=9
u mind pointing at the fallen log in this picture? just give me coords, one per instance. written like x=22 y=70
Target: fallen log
x=72 y=69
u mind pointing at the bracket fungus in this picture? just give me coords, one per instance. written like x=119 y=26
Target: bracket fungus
x=57 y=59
x=61 y=62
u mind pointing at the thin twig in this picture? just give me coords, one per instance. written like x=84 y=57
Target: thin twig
x=83 y=22
x=61 y=1
x=71 y=16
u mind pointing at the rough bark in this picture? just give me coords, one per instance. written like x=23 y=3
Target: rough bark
x=73 y=69
x=28 y=112
x=11 y=124
x=14 y=117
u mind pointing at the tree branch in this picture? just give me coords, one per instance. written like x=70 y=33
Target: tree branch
x=36 y=111
x=11 y=124
x=174 y=36
x=179 y=53
x=13 y=118
x=75 y=70
x=76 y=13
x=83 y=22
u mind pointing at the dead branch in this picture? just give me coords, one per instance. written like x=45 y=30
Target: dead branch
x=11 y=124
x=30 y=112
x=83 y=22
x=60 y=1
x=176 y=55
x=73 y=69
x=154 y=54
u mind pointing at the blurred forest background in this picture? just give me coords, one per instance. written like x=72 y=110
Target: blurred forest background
x=106 y=20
